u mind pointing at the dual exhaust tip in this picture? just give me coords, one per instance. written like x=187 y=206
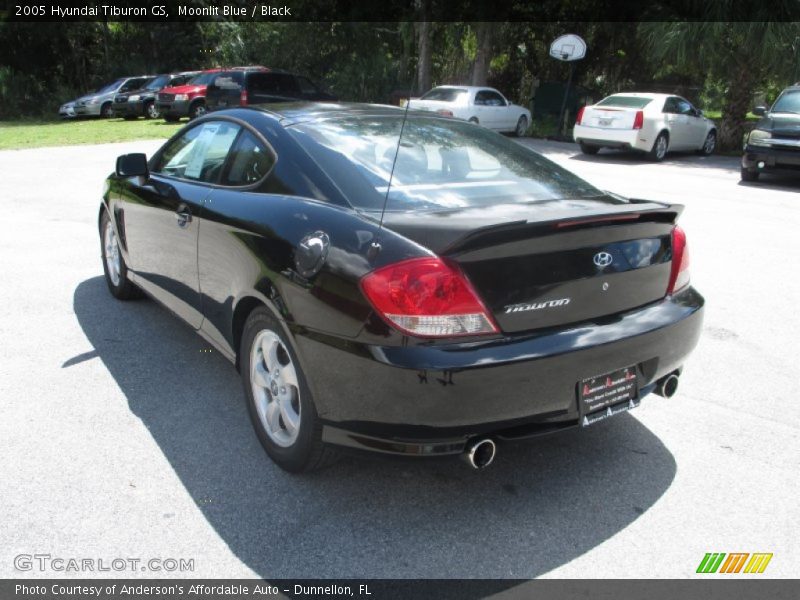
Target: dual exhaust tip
x=480 y=452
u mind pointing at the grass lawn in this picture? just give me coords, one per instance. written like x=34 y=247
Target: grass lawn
x=15 y=135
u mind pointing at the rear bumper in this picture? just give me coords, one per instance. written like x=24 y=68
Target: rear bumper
x=432 y=399
x=625 y=139
x=774 y=159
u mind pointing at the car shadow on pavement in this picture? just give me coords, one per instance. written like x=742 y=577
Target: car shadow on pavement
x=541 y=505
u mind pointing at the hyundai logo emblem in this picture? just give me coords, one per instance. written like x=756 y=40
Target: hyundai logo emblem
x=603 y=259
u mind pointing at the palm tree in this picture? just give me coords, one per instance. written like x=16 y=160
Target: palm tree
x=743 y=55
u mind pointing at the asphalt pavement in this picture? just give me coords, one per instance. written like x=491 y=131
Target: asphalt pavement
x=121 y=438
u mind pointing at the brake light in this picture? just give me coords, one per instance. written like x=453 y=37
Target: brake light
x=445 y=112
x=679 y=274
x=638 y=120
x=243 y=98
x=580 y=115
x=427 y=297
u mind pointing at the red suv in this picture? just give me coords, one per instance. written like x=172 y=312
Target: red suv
x=187 y=100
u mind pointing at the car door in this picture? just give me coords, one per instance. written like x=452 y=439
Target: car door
x=677 y=121
x=695 y=125
x=483 y=108
x=161 y=215
x=228 y=257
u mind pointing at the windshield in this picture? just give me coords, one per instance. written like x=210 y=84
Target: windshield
x=788 y=102
x=158 y=82
x=441 y=164
x=444 y=94
x=625 y=101
x=110 y=87
x=203 y=78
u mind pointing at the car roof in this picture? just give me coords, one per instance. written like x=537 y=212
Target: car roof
x=469 y=88
x=650 y=95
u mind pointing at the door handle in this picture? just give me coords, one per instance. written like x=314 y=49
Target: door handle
x=183 y=216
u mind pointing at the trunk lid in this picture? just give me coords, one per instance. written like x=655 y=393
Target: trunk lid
x=555 y=263
x=610 y=117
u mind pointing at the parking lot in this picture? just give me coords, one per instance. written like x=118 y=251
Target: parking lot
x=122 y=436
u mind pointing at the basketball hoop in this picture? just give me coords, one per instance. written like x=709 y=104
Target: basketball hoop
x=568 y=47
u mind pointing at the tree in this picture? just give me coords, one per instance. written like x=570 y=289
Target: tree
x=743 y=55
x=483 y=55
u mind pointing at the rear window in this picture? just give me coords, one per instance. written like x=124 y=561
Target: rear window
x=440 y=164
x=158 y=82
x=625 y=101
x=444 y=94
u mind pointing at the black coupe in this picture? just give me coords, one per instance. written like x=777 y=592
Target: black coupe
x=401 y=282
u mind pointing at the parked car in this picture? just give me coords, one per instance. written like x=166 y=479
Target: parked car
x=774 y=144
x=141 y=102
x=100 y=102
x=482 y=105
x=259 y=85
x=480 y=294
x=188 y=100
x=651 y=123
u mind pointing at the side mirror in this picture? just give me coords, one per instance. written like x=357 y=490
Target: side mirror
x=699 y=112
x=760 y=111
x=132 y=165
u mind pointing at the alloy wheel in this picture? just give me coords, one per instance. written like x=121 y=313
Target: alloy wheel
x=710 y=143
x=113 y=259
x=276 y=391
x=661 y=147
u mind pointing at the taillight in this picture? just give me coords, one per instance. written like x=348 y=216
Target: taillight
x=580 y=115
x=427 y=297
x=444 y=112
x=679 y=274
x=638 y=120
x=243 y=98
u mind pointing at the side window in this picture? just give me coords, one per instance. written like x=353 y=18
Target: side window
x=199 y=153
x=480 y=98
x=133 y=84
x=684 y=107
x=494 y=99
x=228 y=81
x=287 y=84
x=671 y=106
x=262 y=83
x=306 y=87
x=250 y=161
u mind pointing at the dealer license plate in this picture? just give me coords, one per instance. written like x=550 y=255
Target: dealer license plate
x=606 y=395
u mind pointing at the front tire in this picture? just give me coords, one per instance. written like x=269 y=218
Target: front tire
x=279 y=400
x=709 y=145
x=107 y=111
x=522 y=126
x=660 y=147
x=116 y=272
x=748 y=175
x=197 y=110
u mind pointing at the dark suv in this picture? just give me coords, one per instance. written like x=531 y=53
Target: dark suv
x=774 y=144
x=142 y=102
x=240 y=87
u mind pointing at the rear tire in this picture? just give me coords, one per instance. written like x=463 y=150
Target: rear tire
x=588 y=148
x=116 y=272
x=660 y=147
x=278 y=398
x=151 y=111
x=748 y=175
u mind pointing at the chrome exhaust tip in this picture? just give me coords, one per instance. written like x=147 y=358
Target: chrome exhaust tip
x=479 y=454
x=667 y=386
